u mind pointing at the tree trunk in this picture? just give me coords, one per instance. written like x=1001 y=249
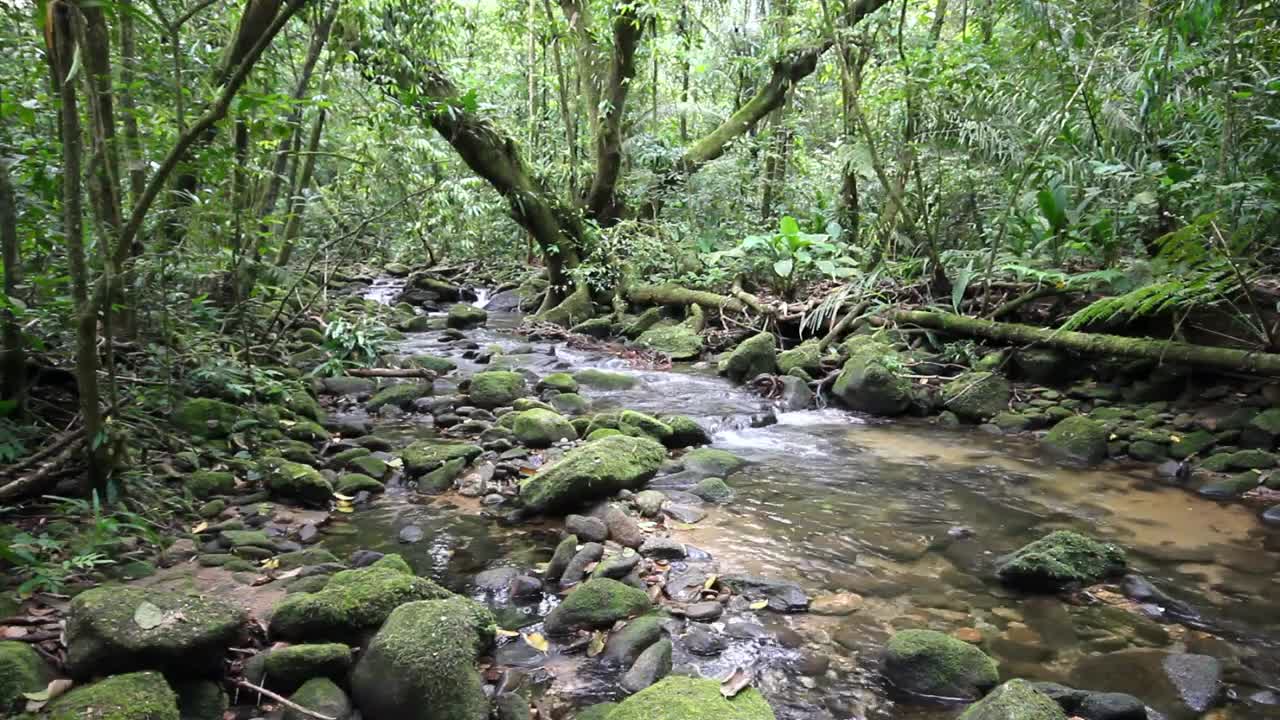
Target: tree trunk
x=13 y=385
x=686 y=45
x=603 y=204
x=676 y=295
x=566 y=114
x=129 y=118
x=297 y=198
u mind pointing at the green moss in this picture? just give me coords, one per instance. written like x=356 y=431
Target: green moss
x=307 y=431
x=401 y=396
x=539 y=428
x=320 y=695
x=205 y=483
x=927 y=662
x=354 y=601
x=1078 y=438
x=871 y=380
x=572 y=310
x=637 y=424
x=570 y=404
x=1267 y=421
x=560 y=382
x=135 y=696
x=442 y=478
x=685 y=431
x=466 y=316
x=208 y=418
x=712 y=462
x=522 y=404
x=434 y=363
x=599 y=433
x=597 y=603
x=1059 y=559
x=287 y=668
x=595 y=470
x=304 y=557
x=22 y=670
x=599 y=711
x=246 y=538
x=202 y=700
x=496 y=388
x=757 y=355
x=977 y=396
x=422 y=663
x=605 y=380
x=645 y=320
x=1193 y=443
x=302 y=403
x=712 y=489
x=685 y=698
x=1015 y=700
x=352 y=483
x=373 y=467
x=806 y=356
x=283 y=478
x=424 y=456
x=103 y=637
x=678 y=341
x=346 y=456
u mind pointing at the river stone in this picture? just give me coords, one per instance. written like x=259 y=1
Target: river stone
x=319 y=695
x=1060 y=559
x=1181 y=686
x=424 y=456
x=757 y=355
x=977 y=396
x=206 y=483
x=663 y=548
x=295 y=481
x=685 y=698
x=400 y=395
x=839 y=604
x=677 y=341
x=637 y=424
x=617 y=565
x=625 y=645
x=595 y=470
x=421 y=665
x=795 y=395
x=564 y=553
x=704 y=611
x=687 y=514
x=208 y=418
x=1192 y=443
x=539 y=428
x=114 y=629
x=1015 y=700
x=871 y=379
x=623 y=529
x=605 y=380
x=285 y=669
x=22 y=670
x=711 y=462
x=588 y=528
x=570 y=404
x=576 y=571
x=782 y=596
x=806 y=356
x=463 y=316
x=496 y=388
x=652 y=665
x=685 y=431
x=712 y=490
x=649 y=502
x=930 y=663
x=597 y=603
x=703 y=642
x=1231 y=487
x=132 y=696
x=1078 y=439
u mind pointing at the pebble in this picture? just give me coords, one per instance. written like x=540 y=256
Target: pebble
x=839 y=604
x=411 y=534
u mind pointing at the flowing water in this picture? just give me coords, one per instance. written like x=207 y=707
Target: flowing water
x=907 y=515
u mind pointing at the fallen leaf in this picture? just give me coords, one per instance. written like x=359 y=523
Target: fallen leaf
x=537 y=642
x=199 y=528
x=341 y=498
x=711 y=581
x=148 y=616
x=500 y=632
x=738 y=680
x=597 y=644
x=759 y=605
x=271 y=563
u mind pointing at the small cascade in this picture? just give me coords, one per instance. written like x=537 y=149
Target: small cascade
x=384 y=290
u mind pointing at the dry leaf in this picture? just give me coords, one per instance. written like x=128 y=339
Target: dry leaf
x=199 y=528
x=738 y=680
x=759 y=605
x=271 y=563
x=500 y=632
x=341 y=498
x=711 y=581
x=597 y=644
x=37 y=700
x=537 y=642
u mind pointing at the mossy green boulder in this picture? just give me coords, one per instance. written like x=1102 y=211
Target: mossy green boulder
x=421 y=665
x=605 y=380
x=22 y=670
x=434 y=363
x=711 y=462
x=713 y=490
x=677 y=341
x=287 y=668
x=352 y=483
x=637 y=424
x=116 y=629
x=206 y=483
x=977 y=396
x=570 y=404
x=1061 y=559
x=934 y=664
x=496 y=388
x=463 y=316
x=806 y=356
x=685 y=432
x=757 y=355
x=597 y=603
x=208 y=418
x=1015 y=700
x=599 y=711
x=352 y=602
x=872 y=379
x=596 y=470
x=319 y=695
x=295 y=481
x=423 y=456
x=1078 y=439
x=133 y=696
x=539 y=428
x=560 y=382
x=685 y=698
x=201 y=700
x=401 y=395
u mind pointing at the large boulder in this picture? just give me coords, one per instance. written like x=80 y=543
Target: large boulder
x=496 y=388
x=422 y=663
x=463 y=316
x=677 y=341
x=1061 y=559
x=22 y=670
x=597 y=603
x=806 y=356
x=113 y=629
x=1078 y=439
x=872 y=379
x=1015 y=700
x=286 y=668
x=757 y=355
x=424 y=456
x=637 y=424
x=351 y=603
x=319 y=695
x=977 y=396
x=208 y=418
x=295 y=481
x=1181 y=686
x=134 y=696
x=592 y=471
x=930 y=663
x=685 y=432
x=538 y=428
x=685 y=698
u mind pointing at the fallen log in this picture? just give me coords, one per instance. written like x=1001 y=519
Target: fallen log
x=1210 y=358
x=420 y=373
x=676 y=295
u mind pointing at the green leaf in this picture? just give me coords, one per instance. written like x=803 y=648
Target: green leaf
x=789 y=226
x=148 y=616
x=783 y=268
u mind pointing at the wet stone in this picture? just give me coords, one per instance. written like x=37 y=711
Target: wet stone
x=704 y=611
x=587 y=528
x=411 y=534
x=576 y=571
x=683 y=513
x=662 y=548
x=699 y=640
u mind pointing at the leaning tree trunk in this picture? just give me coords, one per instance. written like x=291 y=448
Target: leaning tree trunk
x=13 y=385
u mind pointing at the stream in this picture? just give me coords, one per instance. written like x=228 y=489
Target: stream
x=905 y=514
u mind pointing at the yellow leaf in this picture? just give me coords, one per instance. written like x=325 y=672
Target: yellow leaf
x=537 y=642
x=271 y=563
x=340 y=497
x=345 y=509
x=1113 y=436
x=1175 y=438
x=502 y=632
x=200 y=527
x=597 y=644
x=759 y=605
x=710 y=583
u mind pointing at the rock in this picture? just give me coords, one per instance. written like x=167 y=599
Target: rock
x=201 y=700
x=685 y=432
x=700 y=641
x=625 y=645
x=411 y=534
x=463 y=316
x=353 y=601
x=295 y=481
x=871 y=379
x=623 y=529
x=588 y=528
x=1078 y=439
x=1015 y=700
x=930 y=663
x=711 y=462
x=1230 y=488
x=713 y=490
x=1146 y=451
x=677 y=341
x=401 y=395
x=685 y=698
x=1111 y=706
x=319 y=695
x=649 y=502
x=1060 y=559
x=22 y=670
x=373 y=467
x=114 y=629
x=425 y=456
x=605 y=380
x=806 y=356
x=796 y=394
x=782 y=596
x=636 y=424
x=356 y=387
x=421 y=665
x=617 y=566
x=595 y=604
x=539 y=428
x=352 y=483
x=1262 y=431
x=663 y=548
x=496 y=388
x=560 y=559
x=133 y=696
x=570 y=404
x=757 y=355
x=652 y=665
x=1192 y=443
x=1271 y=516
x=977 y=396
x=687 y=514
x=560 y=382
x=208 y=418
x=1181 y=686
x=839 y=604
x=206 y=483
x=576 y=571
x=599 y=711
x=1043 y=365
x=595 y=470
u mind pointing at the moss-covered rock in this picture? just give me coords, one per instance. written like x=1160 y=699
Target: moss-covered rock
x=757 y=355
x=496 y=388
x=1043 y=365
x=320 y=695
x=601 y=328
x=1192 y=443
x=574 y=309
x=685 y=432
x=295 y=481
x=599 y=433
x=592 y=471
x=871 y=380
x=287 y=668
x=677 y=340
x=22 y=670
x=560 y=382
x=116 y=629
x=307 y=431
x=599 y=711
x=373 y=467
x=201 y=700
x=570 y=404
x=597 y=603
x=352 y=483
x=930 y=663
x=401 y=395
x=463 y=316
x=636 y=327
x=207 y=483
x=1060 y=559
x=977 y=396
x=425 y=456
x=1079 y=439
x=637 y=424
x=208 y=418
x=1015 y=700
x=434 y=363
x=712 y=489
x=422 y=663
x=539 y=428
x=134 y=696
x=686 y=698
x=443 y=477
x=806 y=356
x=605 y=380
x=711 y=462
x=306 y=556
x=353 y=602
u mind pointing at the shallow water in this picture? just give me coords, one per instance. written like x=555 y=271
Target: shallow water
x=906 y=514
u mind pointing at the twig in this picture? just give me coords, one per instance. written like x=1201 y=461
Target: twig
x=287 y=703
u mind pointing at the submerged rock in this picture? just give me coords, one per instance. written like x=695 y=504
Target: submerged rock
x=685 y=432
x=1015 y=700
x=1079 y=439
x=597 y=603
x=1181 y=686
x=463 y=316
x=685 y=698
x=605 y=380
x=711 y=462
x=781 y=595
x=678 y=341
x=1060 y=559
x=930 y=663
x=757 y=355
x=595 y=470
x=401 y=395
x=133 y=696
